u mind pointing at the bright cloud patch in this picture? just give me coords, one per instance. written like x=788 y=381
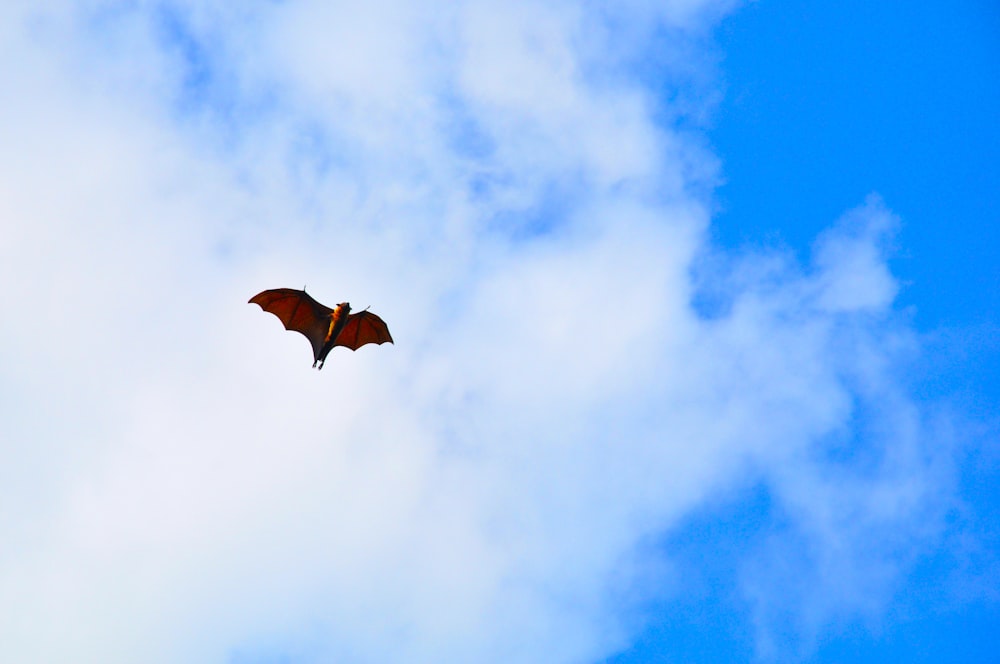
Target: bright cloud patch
x=177 y=484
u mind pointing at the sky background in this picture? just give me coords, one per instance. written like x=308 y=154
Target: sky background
x=695 y=312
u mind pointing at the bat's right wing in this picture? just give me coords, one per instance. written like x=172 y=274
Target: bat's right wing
x=297 y=311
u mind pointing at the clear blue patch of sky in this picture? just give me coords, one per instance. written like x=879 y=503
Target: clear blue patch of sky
x=554 y=203
x=271 y=650
x=466 y=137
x=704 y=618
x=824 y=104
x=199 y=75
x=941 y=612
x=208 y=85
x=827 y=102
x=261 y=658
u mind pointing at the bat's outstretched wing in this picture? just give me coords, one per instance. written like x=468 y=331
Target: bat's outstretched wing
x=299 y=312
x=363 y=328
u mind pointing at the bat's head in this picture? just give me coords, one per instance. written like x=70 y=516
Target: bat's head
x=344 y=308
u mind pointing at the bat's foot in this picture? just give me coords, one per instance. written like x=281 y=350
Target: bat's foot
x=318 y=364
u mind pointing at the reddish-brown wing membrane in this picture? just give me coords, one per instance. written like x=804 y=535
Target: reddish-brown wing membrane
x=363 y=328
x=298 y=311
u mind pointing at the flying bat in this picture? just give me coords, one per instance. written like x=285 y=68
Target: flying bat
x=322 y=326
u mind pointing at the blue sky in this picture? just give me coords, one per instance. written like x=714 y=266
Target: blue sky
x=823 y=104
x=695 y=313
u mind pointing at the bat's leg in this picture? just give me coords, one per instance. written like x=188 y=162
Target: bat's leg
x=320 y=365
x=314 y=363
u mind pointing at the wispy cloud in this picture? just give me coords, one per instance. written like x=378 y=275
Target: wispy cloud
x=177 y=486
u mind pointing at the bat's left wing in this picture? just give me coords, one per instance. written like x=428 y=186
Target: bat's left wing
x=363 y=328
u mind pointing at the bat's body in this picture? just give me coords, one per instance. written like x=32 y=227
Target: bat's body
x=338 y=319
x=323 y=326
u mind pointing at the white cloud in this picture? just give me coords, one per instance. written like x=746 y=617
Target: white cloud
x=178 y=486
